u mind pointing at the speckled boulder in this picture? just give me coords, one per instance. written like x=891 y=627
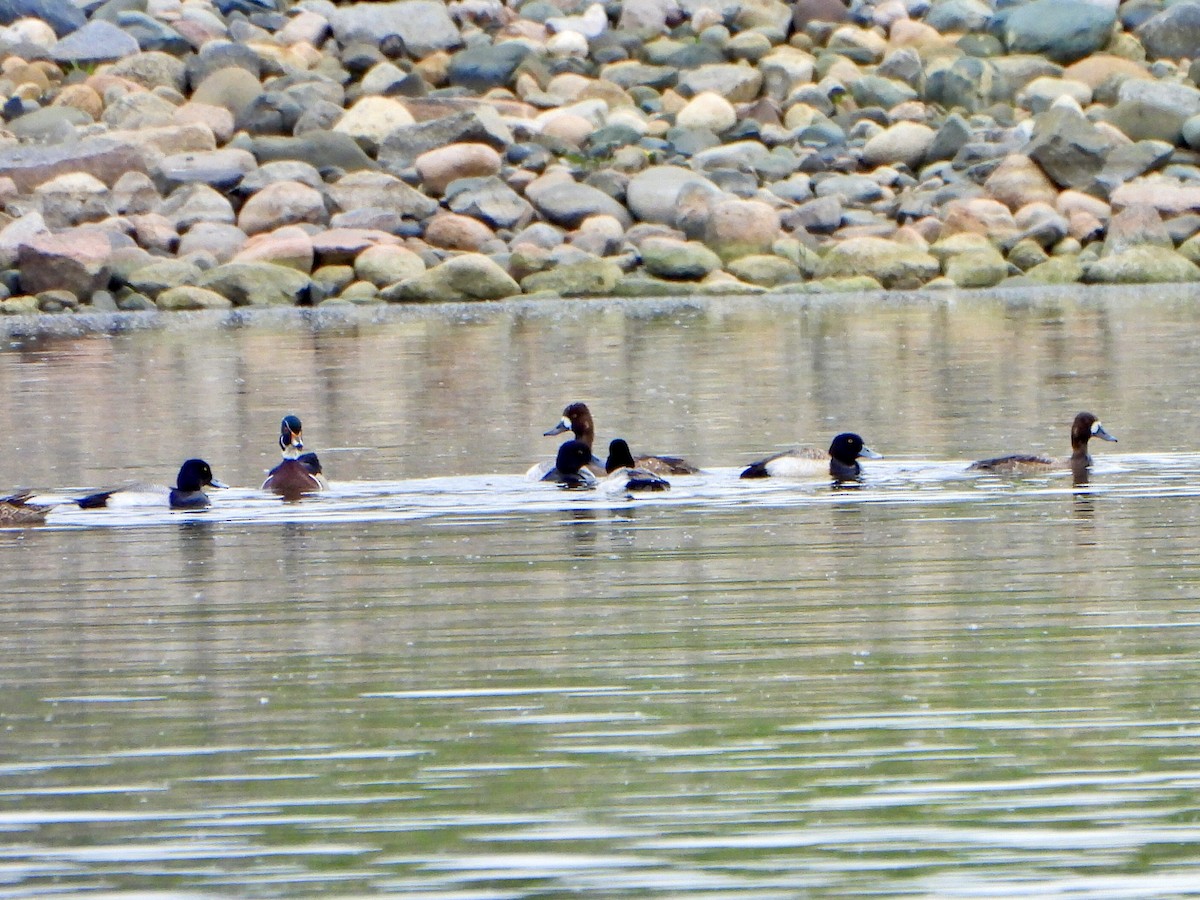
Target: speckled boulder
x=383 y=265
x=75 y=260
x=665 y=257
x=893 y=265
x=258 y=284
x=1141 y=265
x=189 y=297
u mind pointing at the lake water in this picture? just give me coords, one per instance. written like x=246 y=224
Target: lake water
x=440 y=680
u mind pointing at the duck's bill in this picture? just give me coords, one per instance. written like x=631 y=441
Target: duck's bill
x=868 y=453
x=217 y=484
x=563 y=425
x=1102 y=434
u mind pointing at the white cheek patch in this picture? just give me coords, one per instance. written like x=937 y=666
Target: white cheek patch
x=1096 y=426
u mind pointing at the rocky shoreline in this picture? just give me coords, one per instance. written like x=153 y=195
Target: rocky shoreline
x=209 y=154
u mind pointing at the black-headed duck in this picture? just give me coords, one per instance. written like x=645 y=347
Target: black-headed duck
x=15 y=509
x=188 y=493
x=299 y=473
x=577 y=418
x=570 y=467
x=1085 y=427
x=841 y=462
x=626 y=475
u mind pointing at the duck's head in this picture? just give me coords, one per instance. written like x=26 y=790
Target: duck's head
x=848 y=447
x=572 y=456
x=619 y=456
x=290 y=442
x=196 y=474
x=1085 y=427
x=577 y=418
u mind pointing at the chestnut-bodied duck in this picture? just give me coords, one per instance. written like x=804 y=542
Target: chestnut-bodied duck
x=841 y=462
x=1085 y=427
x=299 y=473
x=188 y=493
x=577 y=418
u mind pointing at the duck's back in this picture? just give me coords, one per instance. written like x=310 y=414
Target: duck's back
x=801 y=463
x=1015 y=463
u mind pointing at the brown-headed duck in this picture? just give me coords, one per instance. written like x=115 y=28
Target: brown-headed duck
x=1085 y=427
x=15 y=509
x=577 y=418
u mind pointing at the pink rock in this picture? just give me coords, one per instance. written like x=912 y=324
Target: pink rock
x=282 y=203
x=439 y=167
x=75 y=260
x=289 y=246
x=451 y=231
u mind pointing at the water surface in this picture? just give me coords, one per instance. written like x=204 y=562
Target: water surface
x=443 y=681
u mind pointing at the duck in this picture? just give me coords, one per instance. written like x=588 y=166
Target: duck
x=15 y=509
x=571 y=467
x=624 y=474
x=1084 y=427
x=841 y=462
x=577 y=418
x=298 y=473
x=188 y=492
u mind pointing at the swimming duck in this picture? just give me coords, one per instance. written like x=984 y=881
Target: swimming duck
x=15 y=509
x=624 y=474
x=299 y=473
x=188 y=493
x=841 y=462
x=577 y=418
x=570 y=467
x=1085 y=427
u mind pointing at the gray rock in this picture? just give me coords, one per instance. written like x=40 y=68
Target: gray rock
x=95 y=42
x=69 y=200
x=218 y=54
x=850 y=189
x=283 y=170
x=231 y=87
x=424 y=25
x=371 y=217
x=133 y=194
x=1129 y=161
x=958 y=15
x=969 y=83
x=195 y=203
x=481 y=68
x=1062 y=30
x=470 y=276
x=401 y=148
x=1191 y=132
x=736 y=83
x=258 y=284
x=885 y=93
x=221 y=241
x=106 y=159
x=378 y=189
x=221 y=169
x=490 y=200
x=1172 y=34
x=951 y=137
x=152 y=34
x=136 y=111
x=1067 y=147
x=820 y=216
x=282 y=203
x=53 y=124
x=568 y=203
x=325 y=150
x=152 y=70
